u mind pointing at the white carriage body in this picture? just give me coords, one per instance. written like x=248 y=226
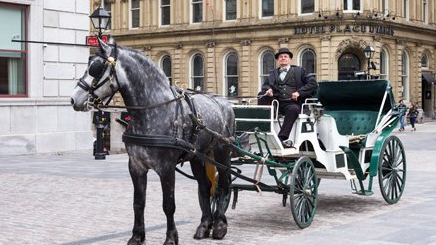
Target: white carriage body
x=321 y=132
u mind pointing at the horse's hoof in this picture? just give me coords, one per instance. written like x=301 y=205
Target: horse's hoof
x=174 y=241
x=135 y=241
x=172 y=238
x=219 y=230
x=203 y=231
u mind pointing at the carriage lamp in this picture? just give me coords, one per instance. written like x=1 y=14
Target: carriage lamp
x=100 y=19
x=369 y=53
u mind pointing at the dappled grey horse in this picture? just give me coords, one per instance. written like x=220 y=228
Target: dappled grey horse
x=164 y=124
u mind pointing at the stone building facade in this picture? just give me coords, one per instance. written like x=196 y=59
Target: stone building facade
x=227 y=46
x=36 y=79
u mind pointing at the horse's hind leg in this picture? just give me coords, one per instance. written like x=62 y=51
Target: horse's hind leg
x=139 y=179
x=220 y=221
x=204 y=185
x=167 y=180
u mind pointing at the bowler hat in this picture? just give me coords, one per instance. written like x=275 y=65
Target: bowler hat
x=284 y=51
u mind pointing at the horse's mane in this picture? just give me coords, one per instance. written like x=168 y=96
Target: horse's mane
x=145 y=63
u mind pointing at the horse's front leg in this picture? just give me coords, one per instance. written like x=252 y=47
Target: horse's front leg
x=139 y=179
x=204 y=185
x=167 y=180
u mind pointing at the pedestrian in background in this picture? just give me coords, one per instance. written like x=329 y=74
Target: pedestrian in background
x=413 y=114
x=402 y=108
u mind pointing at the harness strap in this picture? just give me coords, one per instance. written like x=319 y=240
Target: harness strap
x=140 y=107
x=165 y=141
x=157 y=141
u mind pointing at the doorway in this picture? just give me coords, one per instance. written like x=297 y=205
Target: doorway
x=348 y=64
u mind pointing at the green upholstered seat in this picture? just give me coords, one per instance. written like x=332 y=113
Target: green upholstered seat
x=354 y=122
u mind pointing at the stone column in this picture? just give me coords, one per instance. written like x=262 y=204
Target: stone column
x=245 y=64
x=326 y=60
x=211 y=80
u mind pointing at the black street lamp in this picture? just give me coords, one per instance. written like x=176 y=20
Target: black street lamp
x=369 y=53
x=100 y=19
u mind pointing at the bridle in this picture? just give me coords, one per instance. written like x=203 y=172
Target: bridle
x=94 y=100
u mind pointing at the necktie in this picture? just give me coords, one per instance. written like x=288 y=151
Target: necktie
x=282 y=72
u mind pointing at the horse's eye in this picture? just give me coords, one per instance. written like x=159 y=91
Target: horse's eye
x=96 y=69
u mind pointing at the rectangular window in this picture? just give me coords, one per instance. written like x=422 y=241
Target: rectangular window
x=197 y=11
x=385 y=7
x=425 y=11
x=165 y=12
x=352 y=5
x=307 y=6
x=134 y=13
x=107 y=5
x=406 y=9
x=13 y=55
x=267 y=8
x=230 y=10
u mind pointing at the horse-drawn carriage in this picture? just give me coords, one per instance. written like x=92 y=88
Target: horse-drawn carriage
x=343 y=133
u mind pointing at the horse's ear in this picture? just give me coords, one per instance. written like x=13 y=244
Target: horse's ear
x=104 y=48
x=111 y=40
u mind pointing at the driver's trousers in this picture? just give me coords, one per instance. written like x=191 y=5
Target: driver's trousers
x=290 y=109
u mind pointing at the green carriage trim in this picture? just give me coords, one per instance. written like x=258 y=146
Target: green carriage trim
x=249 y=118
x=252 y=112
x=355 y=95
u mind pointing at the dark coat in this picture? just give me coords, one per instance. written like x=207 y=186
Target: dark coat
x=306 y=84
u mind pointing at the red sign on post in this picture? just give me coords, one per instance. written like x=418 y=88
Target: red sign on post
x=93 y=41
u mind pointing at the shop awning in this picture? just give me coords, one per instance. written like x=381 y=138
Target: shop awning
x=428 y=78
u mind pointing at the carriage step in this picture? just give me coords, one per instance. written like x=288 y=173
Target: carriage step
x=323 y=174
x=364 y=192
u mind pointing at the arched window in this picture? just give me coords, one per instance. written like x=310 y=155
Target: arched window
x=231 y=75
x=424 y=61
x=308 y=60
x=197 y=73
x=267 y=64
x=405 y=76
x=165 y=65
x=384 y=64
x=348 y=64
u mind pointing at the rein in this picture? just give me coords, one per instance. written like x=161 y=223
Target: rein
x=141 y=107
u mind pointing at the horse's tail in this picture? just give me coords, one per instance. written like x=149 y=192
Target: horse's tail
x=211 y=173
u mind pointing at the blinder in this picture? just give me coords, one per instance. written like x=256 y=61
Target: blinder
x=97 y=69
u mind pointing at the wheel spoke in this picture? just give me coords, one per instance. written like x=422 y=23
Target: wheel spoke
x=303 y=192
x=392 y=169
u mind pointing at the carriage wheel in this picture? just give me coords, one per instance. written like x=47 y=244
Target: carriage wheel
x=392 y=169
x=303 y=192
x=214 y=197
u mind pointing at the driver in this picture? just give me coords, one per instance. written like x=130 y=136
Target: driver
x=290 y=85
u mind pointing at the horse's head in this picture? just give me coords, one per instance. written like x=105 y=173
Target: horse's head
x=99 y=83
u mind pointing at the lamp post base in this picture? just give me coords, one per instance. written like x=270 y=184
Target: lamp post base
x=100 y=156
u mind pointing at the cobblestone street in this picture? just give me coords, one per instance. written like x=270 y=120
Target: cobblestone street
x=71 y=199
